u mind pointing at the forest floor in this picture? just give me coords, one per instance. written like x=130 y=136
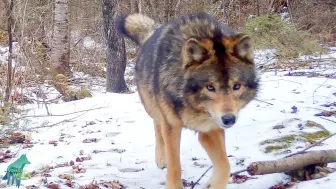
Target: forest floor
x=108 y=138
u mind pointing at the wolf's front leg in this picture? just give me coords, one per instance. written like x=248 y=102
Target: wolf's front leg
x=214 y=144
x=172 y=137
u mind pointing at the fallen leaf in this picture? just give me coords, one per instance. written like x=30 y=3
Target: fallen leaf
x=113 y=185
x=90 y=186
x=53 y=186
x=89 y=140
x=186 y=183
x=77 y=169
x=66 y=176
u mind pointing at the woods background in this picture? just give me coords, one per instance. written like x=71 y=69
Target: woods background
x=52 y=40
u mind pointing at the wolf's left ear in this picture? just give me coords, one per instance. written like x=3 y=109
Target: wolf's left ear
x=239 y=46
x=244 y=48
x=193 y=53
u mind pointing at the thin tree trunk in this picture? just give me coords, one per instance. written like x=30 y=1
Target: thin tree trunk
x=225 y=14
x=60 y=56
x=10 y=50
x=140 y=6
x=258 y=8
x=166 y=11
x=116 y=51
x=132 y=6
x=270 y=7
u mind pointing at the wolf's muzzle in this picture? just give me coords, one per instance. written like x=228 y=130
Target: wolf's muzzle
x=228 y=120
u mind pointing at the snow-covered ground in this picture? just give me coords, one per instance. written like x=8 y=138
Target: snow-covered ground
x=118 y=135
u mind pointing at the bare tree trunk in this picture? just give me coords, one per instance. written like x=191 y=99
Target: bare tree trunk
x=270 y=7
x=60 y=55
x=225 y=14
x=140 y=6
x=177 y=9
x=258 y=8
x=116 y=51
x=132 y=6
x=10 y=49
x=166 y=11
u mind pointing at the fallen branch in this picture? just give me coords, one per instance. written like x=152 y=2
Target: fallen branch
x=292 y=163
x=66 y=120
x=59 y=115
x=301 y=158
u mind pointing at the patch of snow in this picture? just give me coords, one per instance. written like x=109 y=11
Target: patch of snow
x=123 y=124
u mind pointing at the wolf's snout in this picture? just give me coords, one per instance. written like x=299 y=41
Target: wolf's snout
x=229 y=120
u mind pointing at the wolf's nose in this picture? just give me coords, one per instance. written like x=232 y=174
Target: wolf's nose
x=228 y=120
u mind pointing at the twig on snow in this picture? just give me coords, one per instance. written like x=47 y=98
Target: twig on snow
x=59 y=115
x=264 y=102
x=237 y=172
x=318 y=88
x=66 y=120
x=328 y=119
x=197 y=181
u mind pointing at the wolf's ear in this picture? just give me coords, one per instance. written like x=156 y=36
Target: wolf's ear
x=194 y=53
x=244 y=47
x=240 y=46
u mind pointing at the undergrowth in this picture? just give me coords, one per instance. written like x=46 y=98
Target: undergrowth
x=272 y=32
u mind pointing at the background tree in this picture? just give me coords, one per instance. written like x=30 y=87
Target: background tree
x=115 y=52
x=60 y=56
x=9 y=13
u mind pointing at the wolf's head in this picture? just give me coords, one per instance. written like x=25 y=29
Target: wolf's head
x=219 y=76
x=23 y=159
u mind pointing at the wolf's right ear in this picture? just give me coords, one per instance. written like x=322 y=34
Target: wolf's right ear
x=193 y=53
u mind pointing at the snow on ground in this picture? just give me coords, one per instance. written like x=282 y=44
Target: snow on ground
x=125 y=132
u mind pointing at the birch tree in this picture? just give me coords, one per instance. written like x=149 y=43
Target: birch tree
x=60 y=55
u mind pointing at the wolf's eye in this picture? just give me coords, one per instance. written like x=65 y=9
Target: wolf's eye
x=236 y=86
x=211 y=88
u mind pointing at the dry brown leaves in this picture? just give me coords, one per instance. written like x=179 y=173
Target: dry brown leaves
x=113 y=185
x=5 y=156
x=238 y=179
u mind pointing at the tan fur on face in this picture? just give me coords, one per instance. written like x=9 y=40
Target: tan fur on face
x=222 y=101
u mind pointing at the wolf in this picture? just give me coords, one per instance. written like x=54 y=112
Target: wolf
x=15 y=171
x=191 y=73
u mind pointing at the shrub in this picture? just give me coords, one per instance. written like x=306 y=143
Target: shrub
x=271 y=31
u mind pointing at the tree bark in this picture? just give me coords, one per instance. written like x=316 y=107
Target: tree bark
x=116 y=51
x=10 y=49
x=60 y=55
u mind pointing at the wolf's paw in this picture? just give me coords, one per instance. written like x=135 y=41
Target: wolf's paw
x=160 y=160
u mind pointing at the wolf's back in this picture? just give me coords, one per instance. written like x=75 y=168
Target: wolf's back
x=137 y=27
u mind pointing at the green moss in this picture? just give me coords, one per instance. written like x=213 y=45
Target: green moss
x=286 y=139
x=76 y=95
x=273 y=148
x=313 y=137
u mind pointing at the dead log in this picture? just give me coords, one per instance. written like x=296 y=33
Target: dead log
x=292 y=163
